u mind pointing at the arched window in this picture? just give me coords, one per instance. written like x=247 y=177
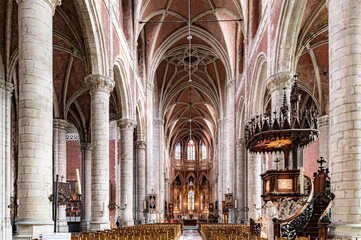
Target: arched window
x=191 y=200
x=204 y=151
x=178 y=152
x=191 y=150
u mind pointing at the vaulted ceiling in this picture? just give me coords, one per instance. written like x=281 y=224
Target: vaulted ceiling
x=215 y=53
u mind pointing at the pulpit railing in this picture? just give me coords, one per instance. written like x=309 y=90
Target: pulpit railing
x=292 y=226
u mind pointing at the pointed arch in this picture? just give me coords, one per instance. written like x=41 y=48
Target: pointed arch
x=123 y=90
x=258 y=86
x=286 y=37
x=141 y=121
x=94 y=37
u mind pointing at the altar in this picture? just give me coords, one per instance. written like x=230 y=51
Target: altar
x=190 y=222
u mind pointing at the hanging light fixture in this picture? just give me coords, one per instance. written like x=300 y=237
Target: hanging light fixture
x=190 y=118
x=189 y=38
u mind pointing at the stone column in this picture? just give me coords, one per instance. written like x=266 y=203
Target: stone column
x=240 y=179
x=6 y=89
x=254 y=184
x=345 y=114
x=59 y=161
x=35 y=180
x=100 y=88
x=324 y=126
x=149 y=151
x=141 y=189
x=158 y=160
x=276 y=84
x=86 y=185
x=127 y=175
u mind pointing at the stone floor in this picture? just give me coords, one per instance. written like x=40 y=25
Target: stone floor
x=190 y=235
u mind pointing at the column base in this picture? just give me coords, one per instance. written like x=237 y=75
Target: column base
x=127 y=223
x=99 y=225
x=32 y=229
x=84 y=225
x=345 y=230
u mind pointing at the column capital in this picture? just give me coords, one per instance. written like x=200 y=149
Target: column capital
x=140 y=144
x=98 y=82
x=60 y=124
x=86 y=146
x=7 y=86
x=52 y=3
x=126 y=124
x=323 y=120
x=279 y=80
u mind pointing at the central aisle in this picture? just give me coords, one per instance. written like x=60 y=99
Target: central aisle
x=190 y=235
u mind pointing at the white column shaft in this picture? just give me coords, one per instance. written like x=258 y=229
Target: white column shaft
x=35 y=116
x=86 y=186
x=345 y=114
x=141 y=189
x=127 y=172
x=254 y=184
x=100 y=88
x=5 y=158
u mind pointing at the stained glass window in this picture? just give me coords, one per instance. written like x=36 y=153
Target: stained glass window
x=191 y=150
x=191 y=200
x=178 y=152
x=204 y=151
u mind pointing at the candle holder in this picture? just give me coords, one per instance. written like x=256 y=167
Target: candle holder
x=244 y=209
x=115 y=206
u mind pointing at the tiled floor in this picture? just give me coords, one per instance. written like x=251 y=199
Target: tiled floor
x=190 y=235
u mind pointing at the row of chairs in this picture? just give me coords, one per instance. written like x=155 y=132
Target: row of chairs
x=224 y=231
x=166 y=231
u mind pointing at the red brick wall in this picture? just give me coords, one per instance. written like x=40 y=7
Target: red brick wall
x=310 y=157
x=73 y=154
x=73 y=159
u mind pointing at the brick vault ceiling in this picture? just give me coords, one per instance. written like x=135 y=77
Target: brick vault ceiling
x=214 y=50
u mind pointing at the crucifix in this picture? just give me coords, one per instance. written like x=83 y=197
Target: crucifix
x=277 y=161
x=321 y=162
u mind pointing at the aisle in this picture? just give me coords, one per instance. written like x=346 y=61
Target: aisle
x=190 y=235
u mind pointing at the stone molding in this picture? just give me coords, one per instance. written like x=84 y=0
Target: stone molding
x=60 y=124
x=86 y=146
x=324 y=120
x=52 y=3
x=158 y=121
x=241 y=143
x=7 y=86
x=72 y=136
x=140 y=144
x=126 y=124
x=98 y=82
x=279 y=80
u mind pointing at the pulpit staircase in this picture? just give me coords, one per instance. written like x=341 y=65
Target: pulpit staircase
x=313 y=220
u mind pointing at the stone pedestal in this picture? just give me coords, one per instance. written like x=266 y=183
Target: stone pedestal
x=100 y=88
x=278 y=84
x=6 y=89
x=127 y=175
x=35 y=179
x=59 y=166
x=141 y=191
x=86 y=186
x=345 y=114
